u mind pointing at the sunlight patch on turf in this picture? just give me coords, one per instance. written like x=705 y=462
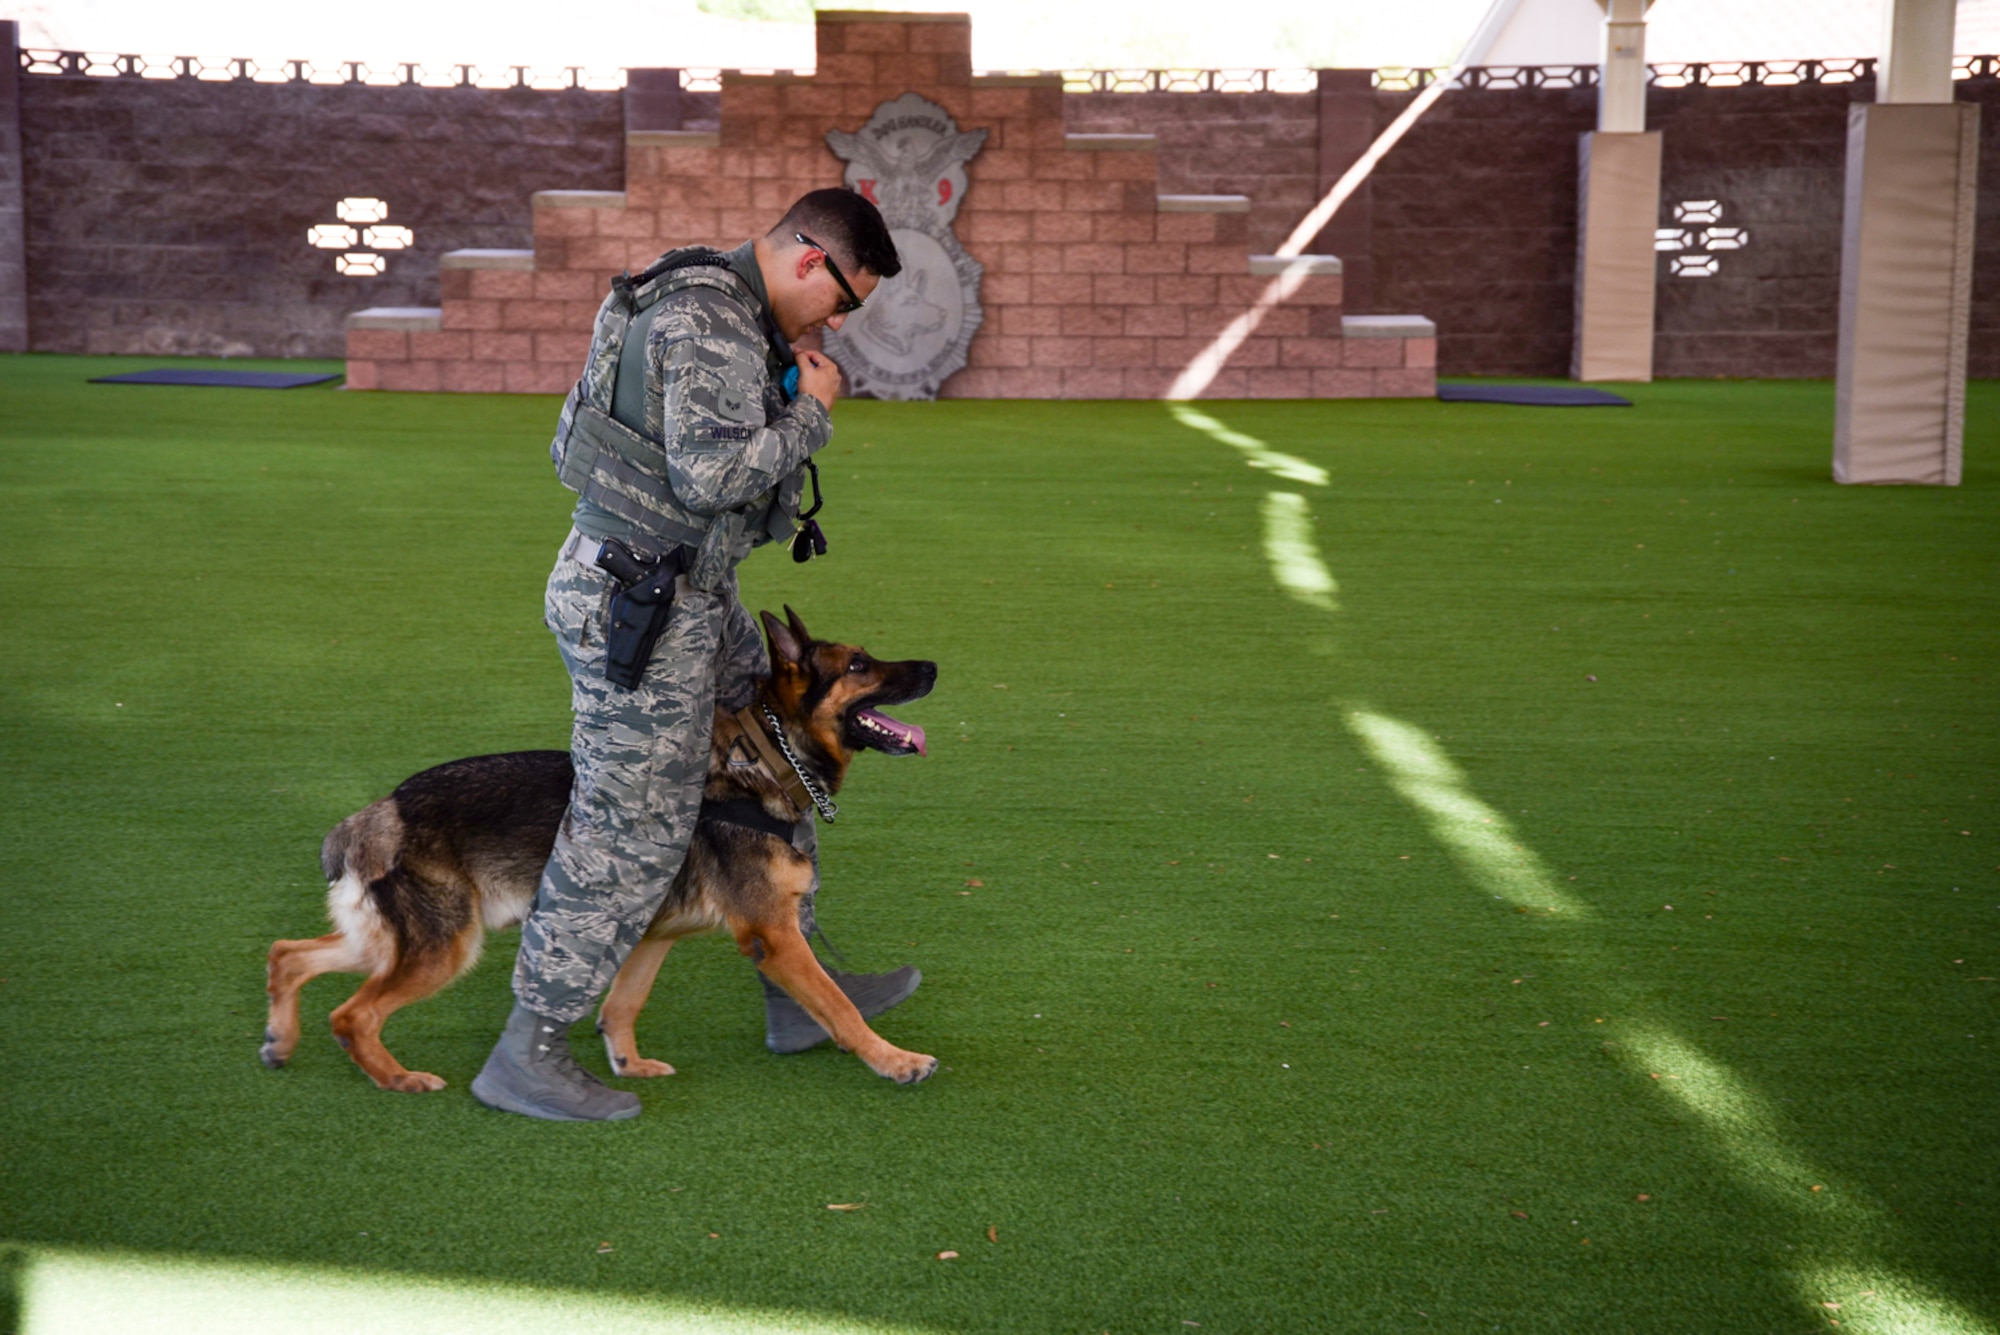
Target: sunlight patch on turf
x=1294 y=556
x=1741 y=1123
x=1259 y=455
x=1888 y=1306
x=86 y=1293
x=1479 y=838
x=1742 y=1120
x=1743 y=1126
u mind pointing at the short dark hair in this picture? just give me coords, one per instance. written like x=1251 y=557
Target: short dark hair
x=849 y=225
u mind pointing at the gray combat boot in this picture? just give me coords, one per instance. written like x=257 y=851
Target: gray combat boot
x=787 y=1027
x=532 y=1073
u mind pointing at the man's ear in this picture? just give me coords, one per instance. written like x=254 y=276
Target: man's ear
x=785 y=646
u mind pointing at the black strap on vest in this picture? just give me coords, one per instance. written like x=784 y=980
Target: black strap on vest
x=628 y=392
x=628 y=382
x=748 y=813
x=626 y=284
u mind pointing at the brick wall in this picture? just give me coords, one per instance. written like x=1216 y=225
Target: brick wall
x=13 y=252
x=1475 y=225
x=1264 y=145
x=170 y=216
x=1094 y=286
x=1983 y=354
x=1776 y=159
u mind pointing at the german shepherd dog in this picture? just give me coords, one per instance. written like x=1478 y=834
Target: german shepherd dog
x=417 y=879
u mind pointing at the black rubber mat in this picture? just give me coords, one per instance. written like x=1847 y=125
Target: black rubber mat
x=1534 y=396
x=179 y=375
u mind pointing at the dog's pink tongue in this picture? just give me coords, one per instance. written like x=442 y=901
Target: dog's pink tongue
x=907 y=733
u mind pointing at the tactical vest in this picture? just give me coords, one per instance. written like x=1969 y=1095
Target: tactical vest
x=601 y=450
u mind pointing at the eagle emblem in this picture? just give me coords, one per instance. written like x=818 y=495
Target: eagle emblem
x=909 y=161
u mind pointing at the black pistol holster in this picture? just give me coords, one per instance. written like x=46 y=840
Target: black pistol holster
x=638 y=610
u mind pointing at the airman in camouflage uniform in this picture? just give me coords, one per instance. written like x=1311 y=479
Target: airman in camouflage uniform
x=733 y=446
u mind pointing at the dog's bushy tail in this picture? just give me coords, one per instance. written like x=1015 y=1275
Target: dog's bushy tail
x=363 y=845
x=333 y=852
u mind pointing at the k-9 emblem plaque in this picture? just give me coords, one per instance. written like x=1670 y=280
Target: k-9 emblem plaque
x=909 y=161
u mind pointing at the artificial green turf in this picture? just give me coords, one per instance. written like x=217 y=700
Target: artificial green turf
x=1185 y=1080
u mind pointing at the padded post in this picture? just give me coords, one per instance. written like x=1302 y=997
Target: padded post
x=1905 y=292
x=1618 y=205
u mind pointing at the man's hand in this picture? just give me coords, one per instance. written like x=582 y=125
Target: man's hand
x=819 y=377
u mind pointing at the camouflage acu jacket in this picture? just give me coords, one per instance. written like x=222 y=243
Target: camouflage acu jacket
x=719 y=444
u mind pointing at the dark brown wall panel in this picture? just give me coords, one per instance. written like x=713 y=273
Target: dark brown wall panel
x=170 y=216
x=1475 y=226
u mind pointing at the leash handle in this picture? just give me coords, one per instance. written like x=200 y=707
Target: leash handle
x=810 y=541
x=818 y=500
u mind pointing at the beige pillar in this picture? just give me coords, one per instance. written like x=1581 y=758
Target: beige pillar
x=1617 y=206
x=1621 y=79
x=1916 y=51
x=1906 y=262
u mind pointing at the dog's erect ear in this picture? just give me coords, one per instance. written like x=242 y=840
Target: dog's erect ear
x=785 y=645
x=798 y=626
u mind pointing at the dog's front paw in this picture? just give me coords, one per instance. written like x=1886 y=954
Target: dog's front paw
x=274 y=1054
x=639 y=1067
x=906 y=1068
x=414 y=1082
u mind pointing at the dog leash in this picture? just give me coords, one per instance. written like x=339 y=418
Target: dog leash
x=752 y=730
x=776 y=733
x=838 y=958
x=827 y=809
x=798 y=784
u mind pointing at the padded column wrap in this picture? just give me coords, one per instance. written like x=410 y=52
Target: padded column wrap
x=1905 y=292
x=1617 y=208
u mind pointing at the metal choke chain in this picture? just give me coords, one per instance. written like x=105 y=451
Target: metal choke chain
x=825 y=804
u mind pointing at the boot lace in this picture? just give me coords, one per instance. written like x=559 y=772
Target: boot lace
x=556 y=1052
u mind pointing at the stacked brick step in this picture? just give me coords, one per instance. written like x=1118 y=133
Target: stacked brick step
x=1095 y=284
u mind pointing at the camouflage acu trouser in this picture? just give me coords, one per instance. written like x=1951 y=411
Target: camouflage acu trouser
x=641 y=758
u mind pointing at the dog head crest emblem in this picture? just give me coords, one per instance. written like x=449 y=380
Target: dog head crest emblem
x=909 y=161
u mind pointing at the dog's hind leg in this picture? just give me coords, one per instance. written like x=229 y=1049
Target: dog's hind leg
x=358 y=1023
x=623 y=1003
x=292 y=965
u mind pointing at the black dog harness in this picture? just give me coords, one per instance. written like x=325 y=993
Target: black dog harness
x=748 y=813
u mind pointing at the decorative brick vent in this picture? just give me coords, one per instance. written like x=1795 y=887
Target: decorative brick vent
x=1695 y=248
x=375 y=235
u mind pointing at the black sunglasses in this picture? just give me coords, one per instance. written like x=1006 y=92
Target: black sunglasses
x=853 y=303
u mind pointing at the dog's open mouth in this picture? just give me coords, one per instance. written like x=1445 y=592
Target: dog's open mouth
x=882 y=733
